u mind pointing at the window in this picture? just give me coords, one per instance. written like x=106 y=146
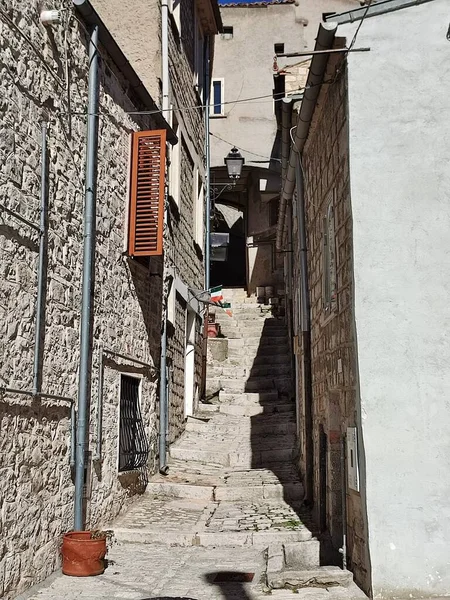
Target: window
x=198 y=58
x=329 y=260
x=273 y=211
x=133 y=443
x=278 y=48
x=147 y=181
x=174 y=7
x=199 y=197
x=227 y=33
x=217 y=108
x=175 y=164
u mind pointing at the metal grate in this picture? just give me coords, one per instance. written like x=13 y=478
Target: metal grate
x=133 y=443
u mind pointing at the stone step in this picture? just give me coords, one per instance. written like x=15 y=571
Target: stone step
x=243 y=457
x=263 y=350
x=232 y=539
x=252 y=411
x=245 y=359
x=256 y=342
x=244 y=373
x=326 y=577
x=291 y=491
x=248 y=398
x=288 y=427
x=253 y=384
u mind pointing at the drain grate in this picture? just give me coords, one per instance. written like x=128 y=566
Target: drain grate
x=233 y=577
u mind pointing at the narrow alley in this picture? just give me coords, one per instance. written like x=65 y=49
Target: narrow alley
x=227 y=521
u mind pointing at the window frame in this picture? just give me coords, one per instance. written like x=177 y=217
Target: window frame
x=212 y=103
x=139 y=378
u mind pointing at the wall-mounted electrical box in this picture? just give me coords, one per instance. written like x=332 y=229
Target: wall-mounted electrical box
x=352 y=459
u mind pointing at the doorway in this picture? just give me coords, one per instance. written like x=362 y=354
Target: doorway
x=323 y=460
x=228 y=265
x=189 y=364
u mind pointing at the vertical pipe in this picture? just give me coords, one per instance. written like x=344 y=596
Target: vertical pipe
x=88 y=279
x=163 y=396
x=98 y=451
x=163 y=468
x=38 y=339
x=305 y=325
x=73 y=434
x=344 y=504
x=207 y=168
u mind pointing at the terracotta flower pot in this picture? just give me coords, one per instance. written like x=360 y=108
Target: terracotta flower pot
x=82 y=555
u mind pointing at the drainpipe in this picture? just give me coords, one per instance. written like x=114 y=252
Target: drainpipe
x=208 y=169
x=325 y=39
x=84 y=387
x=305 y=326
x=163 y=397
x=40 y=312
x=206 y=100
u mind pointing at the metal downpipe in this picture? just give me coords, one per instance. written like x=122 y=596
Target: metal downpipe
x=325 y=39
x=208 y=169
x=41 y=285
x=305 y=326
x=84 y=386
x=163 y=398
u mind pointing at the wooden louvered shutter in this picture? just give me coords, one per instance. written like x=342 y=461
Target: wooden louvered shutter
x=146 y=217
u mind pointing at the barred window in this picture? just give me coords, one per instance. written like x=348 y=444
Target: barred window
x=133 y=443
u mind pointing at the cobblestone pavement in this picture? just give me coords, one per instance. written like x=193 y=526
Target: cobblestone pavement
x=144 y=572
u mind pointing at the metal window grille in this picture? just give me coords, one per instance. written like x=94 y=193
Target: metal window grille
x=133 y=443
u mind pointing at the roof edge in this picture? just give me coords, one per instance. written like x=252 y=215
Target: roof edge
x=380 y=8
x=89 y=14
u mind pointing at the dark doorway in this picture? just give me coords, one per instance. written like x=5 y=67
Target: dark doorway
x=230 y=272
x=323 y=454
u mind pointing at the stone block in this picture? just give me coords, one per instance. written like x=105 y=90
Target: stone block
x=302 y=555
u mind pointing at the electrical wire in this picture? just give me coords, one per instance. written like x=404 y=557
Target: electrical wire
x=238 y=147
x=369 y=4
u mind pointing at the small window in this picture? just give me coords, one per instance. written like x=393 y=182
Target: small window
x=198 y=209
x=175 y=164
x=217 y=108
x=278 y=48
x=227 y=33
x=133 y=443
x=329 y=260
x=147 y=182
x=273 y=211
x=174 y=7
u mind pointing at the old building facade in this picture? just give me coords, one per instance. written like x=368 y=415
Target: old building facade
x=248 y=85
x=368 y=347
x=44 y=90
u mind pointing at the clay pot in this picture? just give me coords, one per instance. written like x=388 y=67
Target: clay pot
x=82 y=555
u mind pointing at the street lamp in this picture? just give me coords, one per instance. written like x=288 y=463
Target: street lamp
x=234 y=162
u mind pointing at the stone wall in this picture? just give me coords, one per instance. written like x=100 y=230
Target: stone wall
x=36 y=487
x=333 y=347
x=183 y=255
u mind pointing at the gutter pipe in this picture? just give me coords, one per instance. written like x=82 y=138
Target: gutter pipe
x=163 y=396
x=208 y=169
x=40 y=309
x=325 y=39
x=84 y=386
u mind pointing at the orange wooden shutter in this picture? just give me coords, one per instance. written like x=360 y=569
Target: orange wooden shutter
x=146 y=221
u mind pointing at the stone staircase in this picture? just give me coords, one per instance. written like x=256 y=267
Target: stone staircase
x=232 y=480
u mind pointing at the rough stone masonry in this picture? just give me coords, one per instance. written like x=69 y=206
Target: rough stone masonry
x=36 y=487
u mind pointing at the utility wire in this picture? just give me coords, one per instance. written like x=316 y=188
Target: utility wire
x=239 y=148
x=369 y=4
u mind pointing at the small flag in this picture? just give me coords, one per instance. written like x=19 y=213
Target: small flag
x=216 y=294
